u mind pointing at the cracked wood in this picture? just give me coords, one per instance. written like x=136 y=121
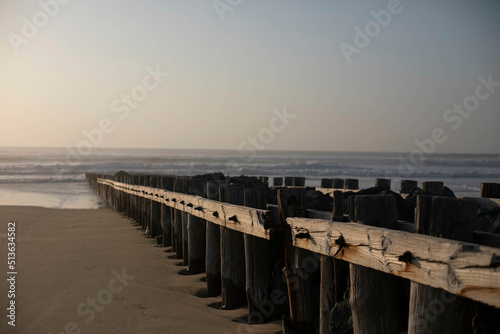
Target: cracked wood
x=461 y=268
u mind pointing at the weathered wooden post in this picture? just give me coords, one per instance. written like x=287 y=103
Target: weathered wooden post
x=490 y=190
x=383 y=183
x=299 y=181
x=232 y=248
x=258 y=266
x=154 y=222
x=185 y=219
x=351 y=184
x=264 y=179
x=292 y=203
x=133 y=199
x=277 y=181
x=167 y=183
x=406 y=186
x=432 y=187
x=379 y=301
x=334 y=273
x=147 y=205
x=140 y=214
x=326 y=183
x=434 y=310
x=327 y=293
x=338 y=183
x=196 y=231
x=213 y=256
x=177 y=225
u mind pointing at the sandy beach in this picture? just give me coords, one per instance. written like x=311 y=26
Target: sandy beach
x=95 y=271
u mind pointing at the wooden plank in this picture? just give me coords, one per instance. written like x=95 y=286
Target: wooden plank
x=246 y=220
x=329 y=191
x=461 y=268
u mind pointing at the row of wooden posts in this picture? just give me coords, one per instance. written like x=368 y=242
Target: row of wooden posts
x=365 y=263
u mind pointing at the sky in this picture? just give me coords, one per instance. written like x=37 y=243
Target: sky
x=393 y=76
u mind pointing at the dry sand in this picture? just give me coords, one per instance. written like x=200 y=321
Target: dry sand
x=65 y=257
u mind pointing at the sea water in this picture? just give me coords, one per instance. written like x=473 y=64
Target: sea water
x=51 y=177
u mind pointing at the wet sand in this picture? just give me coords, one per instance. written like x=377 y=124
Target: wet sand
x=95 y=271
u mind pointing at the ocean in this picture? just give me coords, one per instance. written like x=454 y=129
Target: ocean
x=53 y=178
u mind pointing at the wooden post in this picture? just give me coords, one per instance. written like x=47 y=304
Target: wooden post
x=406 y=186
x=177 y=225
x=432 y=187
x=338 y=184
x=490 y=190
x=332 y=183
x=154 y=222
x=292 y=203
x=340 y=275
x=167 y=183
x=288 y=181
x=299 y=181
x=232 y=248
x=383 y=183
x=147 y=205
x=133 y=199
x=326 y=183
x=351 y=184
x=379 y=302
x=213 y=256
x=327 y=293
x=185 y=218
x=277 y=181
x=258 y=266
x=264 y=179
x=196 y=231
x=434 y=310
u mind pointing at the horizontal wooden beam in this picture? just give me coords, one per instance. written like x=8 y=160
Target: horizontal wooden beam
x=251 y=221
x=329 y=191
x=464 y=269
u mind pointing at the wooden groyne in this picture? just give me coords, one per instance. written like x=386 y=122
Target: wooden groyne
x=418 y=261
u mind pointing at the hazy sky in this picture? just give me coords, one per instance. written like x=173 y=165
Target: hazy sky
x=229 y=66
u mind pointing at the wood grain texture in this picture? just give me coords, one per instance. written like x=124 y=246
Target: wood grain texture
x=460 y=268
x=256 y=222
